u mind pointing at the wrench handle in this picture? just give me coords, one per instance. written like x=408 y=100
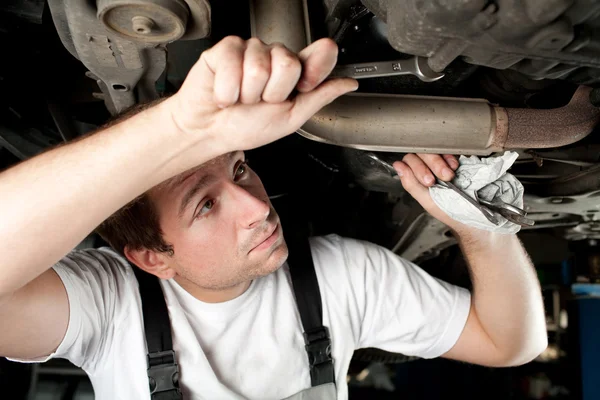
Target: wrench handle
x=416 y=66
x=369 y=70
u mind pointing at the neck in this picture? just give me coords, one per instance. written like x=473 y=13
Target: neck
x=212 y=295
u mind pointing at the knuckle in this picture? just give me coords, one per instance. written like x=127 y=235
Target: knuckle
x=258 y=70
x=255 y=42
x=309 y=82
x=278 y=46
x=232 y=40
x=326 y=44
x=312 y=72
x=287 y=61
x=329 y=45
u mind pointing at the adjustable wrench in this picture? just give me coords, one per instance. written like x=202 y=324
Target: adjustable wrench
x=416 y=66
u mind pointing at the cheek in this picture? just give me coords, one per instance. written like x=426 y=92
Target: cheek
x=211 y=243
x=208 y=260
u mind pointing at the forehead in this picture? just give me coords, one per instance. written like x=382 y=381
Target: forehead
x=176 y=186
x=211 y=166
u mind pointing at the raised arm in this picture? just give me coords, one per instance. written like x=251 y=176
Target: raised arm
x=506 y=325
x=236 y=97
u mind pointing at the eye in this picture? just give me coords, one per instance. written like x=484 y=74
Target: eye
x=206 y=207
x=241 y=169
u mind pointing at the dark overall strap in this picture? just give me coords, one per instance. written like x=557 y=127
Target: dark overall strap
x=163 y=371
x=308 y=298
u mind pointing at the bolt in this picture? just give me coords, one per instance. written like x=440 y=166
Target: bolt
x=142 y=25
x=356 y=28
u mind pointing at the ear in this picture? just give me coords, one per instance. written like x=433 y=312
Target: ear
x=153 y=262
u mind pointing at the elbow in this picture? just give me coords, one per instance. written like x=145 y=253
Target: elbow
x=531 y=348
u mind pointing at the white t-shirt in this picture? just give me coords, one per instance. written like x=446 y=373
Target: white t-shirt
x=252 y=346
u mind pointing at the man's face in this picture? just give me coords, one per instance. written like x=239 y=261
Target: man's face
x=222 y=226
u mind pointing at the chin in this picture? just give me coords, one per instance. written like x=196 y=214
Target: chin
x=273 y=262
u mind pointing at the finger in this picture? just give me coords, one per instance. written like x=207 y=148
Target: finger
x=419 y=192
x=318 y=61
x=257 y=68
x=285 y=72
x=438 y=165
x=451 y=160
x=410 y=183
x=305 y=105
x=420 y=170
x=224 y=61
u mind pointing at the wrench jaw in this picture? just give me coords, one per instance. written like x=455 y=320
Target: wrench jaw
x=423 y=71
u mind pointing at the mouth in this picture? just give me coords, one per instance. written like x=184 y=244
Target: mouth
x=268 y=240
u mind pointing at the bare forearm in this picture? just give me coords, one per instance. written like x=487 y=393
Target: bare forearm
x=51 y=202
x=506 y=293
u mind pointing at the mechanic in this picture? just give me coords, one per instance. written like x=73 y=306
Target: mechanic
x=168 y=187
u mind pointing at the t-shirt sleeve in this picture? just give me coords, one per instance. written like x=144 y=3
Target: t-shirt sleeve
x=396 y=305
x=97 y=282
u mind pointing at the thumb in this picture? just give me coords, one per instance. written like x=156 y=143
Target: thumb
x=309 y=103
x=410 y=183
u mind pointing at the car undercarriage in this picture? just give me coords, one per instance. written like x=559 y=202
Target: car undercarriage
x=518 y=76
x=522 y=76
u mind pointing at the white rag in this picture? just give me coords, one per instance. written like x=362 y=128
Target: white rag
x=489 y=178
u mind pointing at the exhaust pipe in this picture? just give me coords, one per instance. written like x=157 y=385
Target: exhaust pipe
x=423 y=124
x=409 y=124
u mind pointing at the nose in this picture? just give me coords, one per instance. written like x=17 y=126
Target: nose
x=252 y=211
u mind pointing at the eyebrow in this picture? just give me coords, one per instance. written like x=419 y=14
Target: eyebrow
x=200 y=185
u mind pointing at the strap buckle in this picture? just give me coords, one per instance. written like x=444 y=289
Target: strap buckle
x=318 y=346
x=163 y=371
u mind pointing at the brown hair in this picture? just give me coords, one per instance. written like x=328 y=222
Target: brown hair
x=136 y=224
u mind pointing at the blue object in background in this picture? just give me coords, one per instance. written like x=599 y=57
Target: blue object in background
x=586 y=289
x=566 y=272
x=589 y=341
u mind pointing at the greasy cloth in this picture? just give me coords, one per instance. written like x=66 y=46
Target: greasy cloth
x=489 y=178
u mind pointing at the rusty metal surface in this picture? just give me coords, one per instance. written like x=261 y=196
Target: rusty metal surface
x=150 y=21
x=279 y=21
x=551 y=39
x=399 y=123
x=59 y=17
x=156 y=21
x=402 y=123
x=118 y=65
x=500 y=132
x=199 y=22
x=529 y=128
